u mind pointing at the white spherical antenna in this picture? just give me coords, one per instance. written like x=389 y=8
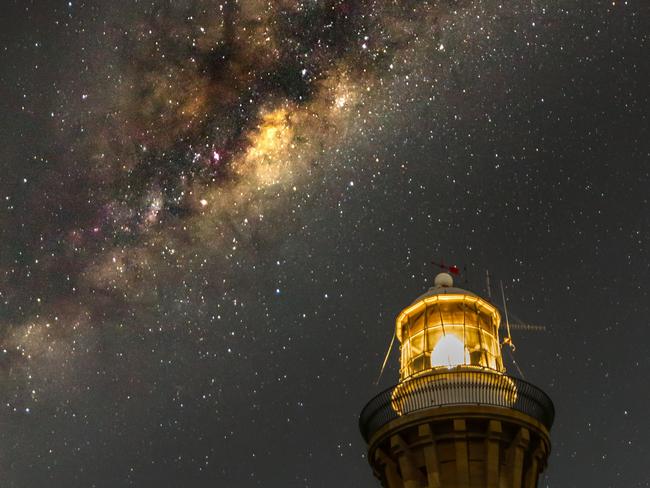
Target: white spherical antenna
x=443 y=279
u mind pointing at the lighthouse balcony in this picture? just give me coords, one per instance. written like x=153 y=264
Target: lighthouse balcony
x=450 y=388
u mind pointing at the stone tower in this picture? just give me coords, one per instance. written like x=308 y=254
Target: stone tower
x=455 y=419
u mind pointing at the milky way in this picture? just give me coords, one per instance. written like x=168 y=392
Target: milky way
x=212 y=116
x=212 y=212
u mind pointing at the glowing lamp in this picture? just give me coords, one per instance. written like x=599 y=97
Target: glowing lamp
x=449 y=351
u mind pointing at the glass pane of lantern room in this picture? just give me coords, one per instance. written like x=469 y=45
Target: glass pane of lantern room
x=446 y=310
x=417 y=323
x=471 y=315
x=457 y=312
x=485 y=320
x=433 y=336
x=420 y=363
x=433 y=315
x=417 y=344
x=491 y=349
x=475 y=347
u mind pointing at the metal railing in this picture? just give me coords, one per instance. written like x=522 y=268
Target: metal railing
x=455 y=388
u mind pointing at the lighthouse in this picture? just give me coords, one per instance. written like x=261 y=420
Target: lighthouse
x=455 y=419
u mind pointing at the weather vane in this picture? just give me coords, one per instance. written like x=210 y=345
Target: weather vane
x=451 y=269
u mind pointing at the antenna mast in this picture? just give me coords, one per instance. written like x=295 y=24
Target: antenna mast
x=487 y=283
x=383 y=366
x=507 y=340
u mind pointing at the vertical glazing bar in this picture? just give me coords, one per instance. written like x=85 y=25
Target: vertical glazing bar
x=466 y=353
x=442 y=321
x=480 y=337
x=425 y=331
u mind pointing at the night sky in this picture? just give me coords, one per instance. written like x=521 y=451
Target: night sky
x=211 y=213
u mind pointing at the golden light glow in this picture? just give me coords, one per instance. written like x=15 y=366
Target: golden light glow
x=448 y=330
x=450 y=353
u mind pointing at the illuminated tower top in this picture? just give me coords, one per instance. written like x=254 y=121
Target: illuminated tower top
x=455 y=419
x=448 y=328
